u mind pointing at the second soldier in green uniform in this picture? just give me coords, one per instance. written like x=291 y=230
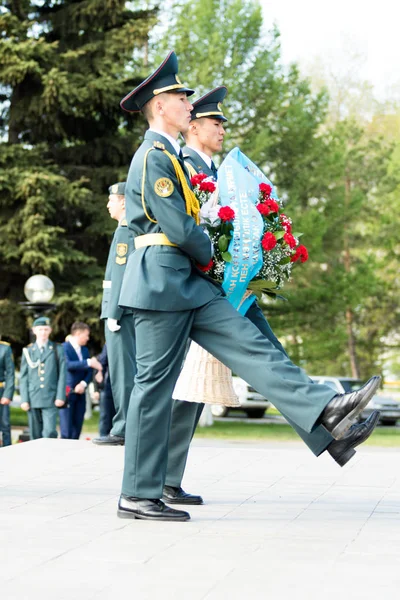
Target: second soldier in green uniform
x=119 y=330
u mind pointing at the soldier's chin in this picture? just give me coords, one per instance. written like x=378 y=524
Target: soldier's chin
x=185 y=127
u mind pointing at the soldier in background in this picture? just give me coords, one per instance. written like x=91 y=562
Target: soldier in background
x=42 y=381
x=6 y=390
x=118 y=328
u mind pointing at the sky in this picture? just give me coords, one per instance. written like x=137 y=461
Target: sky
x=332 y=30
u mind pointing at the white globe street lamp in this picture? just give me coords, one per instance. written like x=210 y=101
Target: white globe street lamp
x=39 y=289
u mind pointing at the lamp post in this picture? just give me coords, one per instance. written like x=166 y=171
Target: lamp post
x=39 y=290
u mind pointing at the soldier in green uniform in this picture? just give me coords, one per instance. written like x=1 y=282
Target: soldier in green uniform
x=205 y=137
x=175 y=301
x=42 y=381
x=6 y=390
x=119 y=330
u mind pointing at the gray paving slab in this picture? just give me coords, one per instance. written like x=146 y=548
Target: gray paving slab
x=277 y=523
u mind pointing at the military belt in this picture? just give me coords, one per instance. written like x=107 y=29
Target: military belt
x=106 y=284
x=2 y=384
x=152 y=239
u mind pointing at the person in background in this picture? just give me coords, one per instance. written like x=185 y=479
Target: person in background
x=118 y=323
x=79 y=374
x=42 y=381
x=6 y=390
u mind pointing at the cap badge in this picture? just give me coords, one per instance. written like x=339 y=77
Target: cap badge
x=114 y=188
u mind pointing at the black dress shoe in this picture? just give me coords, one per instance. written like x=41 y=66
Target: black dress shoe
x=342 y=411
x=109 y=440
x=176 y=495
x=343 y=450
x=148 y=509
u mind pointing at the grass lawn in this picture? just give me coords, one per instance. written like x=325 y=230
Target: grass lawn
x=279 y=432
x=238 y=431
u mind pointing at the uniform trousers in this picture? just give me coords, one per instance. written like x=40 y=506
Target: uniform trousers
x=5 y=427
x=121 y=353
x=160 y=346
x=186 y=415
x=71 y=418
x=107 y=411
x=42 y=422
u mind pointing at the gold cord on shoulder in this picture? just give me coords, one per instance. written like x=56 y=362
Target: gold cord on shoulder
x=191 y=170
x=192 y=204
x=143 y=182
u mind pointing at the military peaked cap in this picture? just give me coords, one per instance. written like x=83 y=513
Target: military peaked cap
x=210 y=105
x=164 y=79
x=117 y=188
x=41 y=321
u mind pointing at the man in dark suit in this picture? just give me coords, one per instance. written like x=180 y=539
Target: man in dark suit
x=79 y=374
x=175 y=301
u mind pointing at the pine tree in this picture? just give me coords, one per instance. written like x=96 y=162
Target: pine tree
x=65 y=65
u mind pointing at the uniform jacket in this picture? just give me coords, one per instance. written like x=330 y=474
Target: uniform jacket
x=6 y=371
x=121 y=247
x=77 y=370
x=195 y=161
x=163 y=277
x=42 y=384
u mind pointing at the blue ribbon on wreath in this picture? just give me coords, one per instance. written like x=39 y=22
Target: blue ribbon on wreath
x=238 y=188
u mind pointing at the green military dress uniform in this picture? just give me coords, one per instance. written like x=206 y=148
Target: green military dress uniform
x=7 y=382
x=42 y=381
x=186 y=415
x=174 y=301
x=120 y=344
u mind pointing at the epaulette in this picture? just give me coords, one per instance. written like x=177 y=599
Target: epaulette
x=124 y=223
x=158 y=145
x=5 y=343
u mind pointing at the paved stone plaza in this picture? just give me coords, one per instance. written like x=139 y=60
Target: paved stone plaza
x=277 y=524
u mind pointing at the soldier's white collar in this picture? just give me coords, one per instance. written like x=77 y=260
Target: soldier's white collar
x=171 y=140
x=202 y=155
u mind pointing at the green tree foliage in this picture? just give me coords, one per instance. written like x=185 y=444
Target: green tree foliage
x=65 y=65
x=331 y=172
x=342 y=302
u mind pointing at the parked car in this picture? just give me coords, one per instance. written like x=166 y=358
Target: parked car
x=388 y=407
x=251 y=402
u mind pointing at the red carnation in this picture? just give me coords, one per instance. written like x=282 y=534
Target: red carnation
x=272 y=205
x=268 y=241
x=197 y=179
x=300 y=254
x=226 y=213
x=207 y=186
x=206 y=267
x=290 y=240
x=263 y=208
x=265 y=189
